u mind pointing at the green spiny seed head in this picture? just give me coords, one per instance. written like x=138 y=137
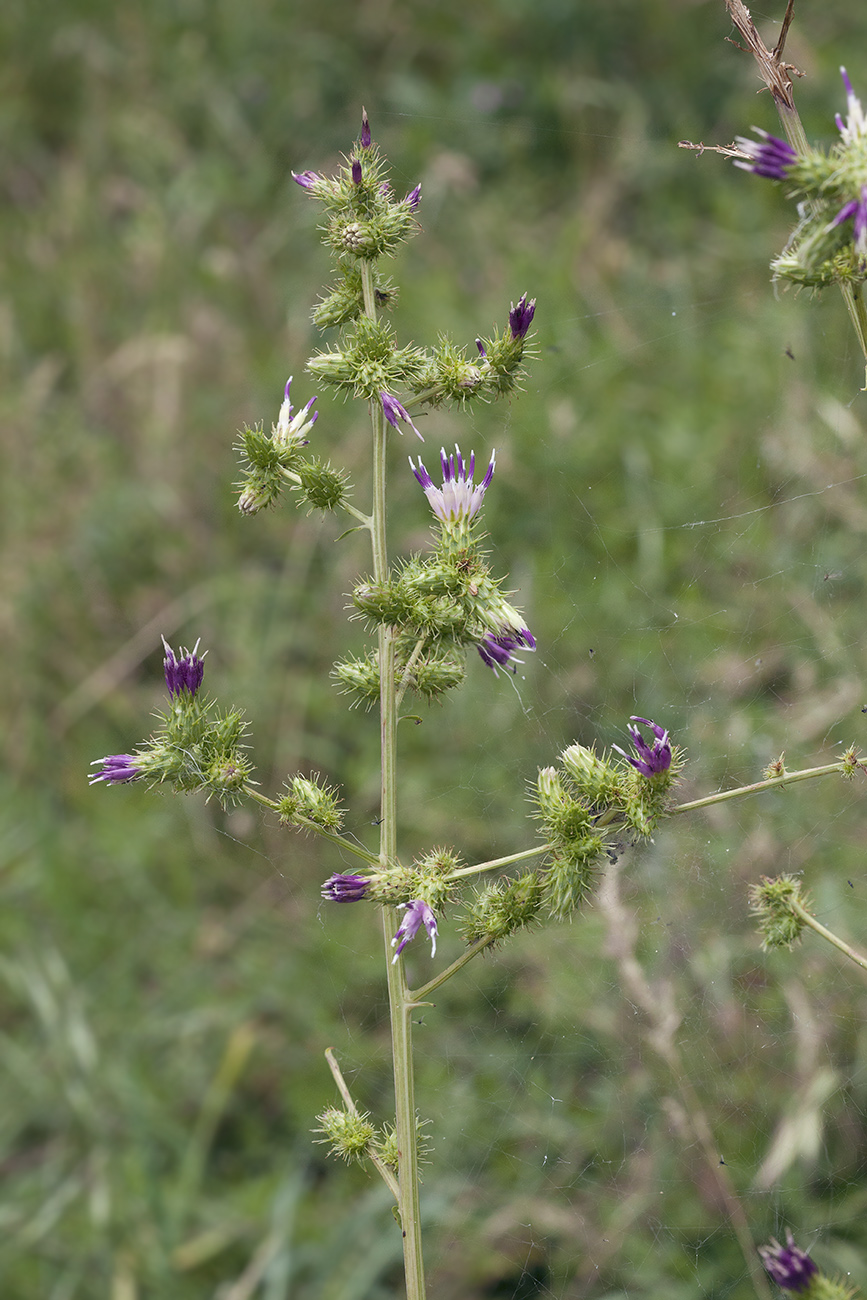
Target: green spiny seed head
x=502 y=369
x=309 y=799
x=359 y=677
x=322 y=486
x=226 y=776
x=403 y=884
x=566 y=821
x=503 y=907
x=850 y=763
x=571 y=874
x=597 y=780
x=450 y=377
x=386 y=1147
x=772 y=902
x=347 y=1135
x=435 y=673
x=369 y=363
x=386 y=602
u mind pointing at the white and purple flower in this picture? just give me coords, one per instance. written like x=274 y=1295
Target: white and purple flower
x=498 y=648
x=345 y=889
x=768 y=156
x=184 y=674
x=459 y=498
x=652 y=759
x=394 y=413
x=116 y=769
x=789 y=1266
x=520 y=317
x=289 y=430
x=855 y=126
x=418 y=914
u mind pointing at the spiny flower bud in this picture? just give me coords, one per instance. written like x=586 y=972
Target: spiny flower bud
x=596 y=780
x=309 y=800
x=347 y=1134
x=772 y=903
x=504 y=907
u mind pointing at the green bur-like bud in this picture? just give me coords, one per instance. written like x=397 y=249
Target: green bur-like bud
x=429 y=675
x=596 y=780
x=427 y=878
x=577 y=845
x=344 y=301
x=369 y=363
x=771 y=902
x=199 y=748
x=321 y=485
x=504 y=907
x=347 y=1135
x=387 y=1149
x=310 y=800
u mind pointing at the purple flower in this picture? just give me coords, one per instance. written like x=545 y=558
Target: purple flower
x=652 y=759
x=768 y=156
x=413 y=199
x=116 y=769
x=418 y=914
x=365 y=130
x=497 y=650
x=855 y=126
x=184 y=674
x=483 y=352
x=520 y=317
x=306 y=180
x=291 y=430
x=394 y=412
x=345 y=889
x=789 y=1266
x=458 y=498
x=856 y=208
x=356 y=172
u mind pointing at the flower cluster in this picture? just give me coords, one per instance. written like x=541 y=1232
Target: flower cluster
x=274 y=461
x=199 y=747
x=830 y=242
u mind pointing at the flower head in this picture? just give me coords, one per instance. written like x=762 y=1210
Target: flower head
x=520 y=317
x=458 y=498
x=497 y=649
x=394 y=412
x=857 y=209
x=855 y=126
x=652 y=759
x=345 y=889
x=290 y=429
x=418 y=914
x=116 y=769
x=365 y=130
x=413 y=199
x=184 y=674
x=356 y=172
x=789 y=1266
x=307 y=180
x=768 y=156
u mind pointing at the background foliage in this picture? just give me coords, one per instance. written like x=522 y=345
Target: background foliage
x=680 y=502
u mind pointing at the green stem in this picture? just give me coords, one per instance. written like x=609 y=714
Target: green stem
x=410 y=664
x=340 y=840
x=418 y=995
x=382 y=1168
x=400 y=1003
x=787 y=779
x=496 y=863
x=854 y=300
x=829 y=935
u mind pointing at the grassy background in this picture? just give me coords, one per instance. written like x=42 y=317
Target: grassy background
x=679 y=500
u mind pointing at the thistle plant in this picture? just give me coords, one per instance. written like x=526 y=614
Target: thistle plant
x=425 y=612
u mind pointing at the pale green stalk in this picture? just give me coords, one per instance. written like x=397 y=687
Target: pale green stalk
x=400 y=1002
x=786 y=779
x=828 y=934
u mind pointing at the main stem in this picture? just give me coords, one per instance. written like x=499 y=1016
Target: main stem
x=400 y=1003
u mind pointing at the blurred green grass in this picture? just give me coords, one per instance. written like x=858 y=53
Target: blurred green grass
x=162 y=1035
